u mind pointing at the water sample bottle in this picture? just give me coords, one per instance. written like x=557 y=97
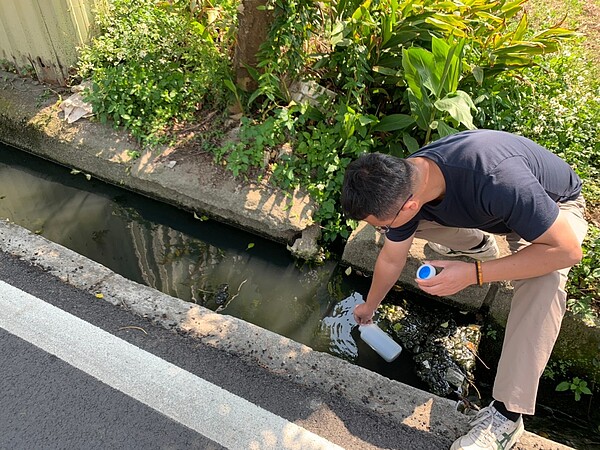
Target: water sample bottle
x=379 y=341
x=425 y=272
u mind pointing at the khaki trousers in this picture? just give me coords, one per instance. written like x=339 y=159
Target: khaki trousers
x=536 y=311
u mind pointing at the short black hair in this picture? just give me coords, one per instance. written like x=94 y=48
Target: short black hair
x=374 y=184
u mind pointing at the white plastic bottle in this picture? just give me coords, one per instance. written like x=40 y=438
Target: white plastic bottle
x=425 y=272
x=379 y=341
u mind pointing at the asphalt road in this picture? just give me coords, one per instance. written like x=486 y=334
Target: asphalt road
x=77 y=372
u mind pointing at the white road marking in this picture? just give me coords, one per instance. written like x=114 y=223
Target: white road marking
x=221 y=416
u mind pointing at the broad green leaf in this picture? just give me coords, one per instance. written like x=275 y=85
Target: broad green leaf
x=385 y=71
x=490 y=18
x=419 y=70
x=564 y=386
x=478 y=74
x=555 y=33
x=421 y=110
x=521 y=49
x=481 y=5
x=411 y=143
x=521 y=29
x=444 y=129
x=509 y=61
x=366 y=120
x=458 y=104
x=390 y=62
x=337 y=34
x=362 y=10
x=388 y=21
x=229 y=85
x=250 y=245
x=400 y=37
x=449 y=57
x=512 y=8
x=448 y=24
x=394 y=122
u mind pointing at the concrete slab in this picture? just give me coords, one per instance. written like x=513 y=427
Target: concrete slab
x=30 y=119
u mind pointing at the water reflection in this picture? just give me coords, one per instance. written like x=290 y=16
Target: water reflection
x=339 y=324
x=167 y=249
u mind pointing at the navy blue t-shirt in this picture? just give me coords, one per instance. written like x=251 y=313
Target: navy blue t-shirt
x=497 y=182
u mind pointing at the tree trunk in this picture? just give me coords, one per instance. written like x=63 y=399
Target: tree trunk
x=253 y=27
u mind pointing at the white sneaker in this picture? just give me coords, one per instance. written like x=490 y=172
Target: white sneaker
x=488 y=251
x=491 y=431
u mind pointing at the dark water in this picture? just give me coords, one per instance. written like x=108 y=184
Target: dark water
x=170 y=250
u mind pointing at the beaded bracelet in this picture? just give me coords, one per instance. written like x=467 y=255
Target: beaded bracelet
x=479 y=273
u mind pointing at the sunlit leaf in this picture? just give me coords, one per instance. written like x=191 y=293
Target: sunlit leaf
x=458 y=104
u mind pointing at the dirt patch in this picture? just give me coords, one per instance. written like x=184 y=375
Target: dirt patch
x=590 y=27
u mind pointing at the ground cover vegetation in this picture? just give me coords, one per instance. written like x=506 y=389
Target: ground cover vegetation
x=387 y=75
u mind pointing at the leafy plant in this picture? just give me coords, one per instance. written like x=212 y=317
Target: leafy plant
x=154 y=64
x=432 y=79
x=399 y=73
x=584 y=280
x=577 y=386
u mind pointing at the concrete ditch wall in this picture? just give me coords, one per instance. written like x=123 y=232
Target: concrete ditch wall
x=30 y=119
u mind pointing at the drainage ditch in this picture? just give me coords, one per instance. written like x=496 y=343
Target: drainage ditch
x=233 y=272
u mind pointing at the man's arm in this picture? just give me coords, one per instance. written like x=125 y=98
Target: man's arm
x=556 y=249
x=389 y=265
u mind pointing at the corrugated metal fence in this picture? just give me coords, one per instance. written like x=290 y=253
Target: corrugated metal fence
x=44 y=34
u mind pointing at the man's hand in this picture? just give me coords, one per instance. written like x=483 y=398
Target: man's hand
x=455 y=276
x=363 y=314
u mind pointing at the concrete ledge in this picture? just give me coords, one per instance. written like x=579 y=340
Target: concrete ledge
x=30 y=121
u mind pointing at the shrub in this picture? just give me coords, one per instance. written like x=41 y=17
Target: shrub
x=154 y=63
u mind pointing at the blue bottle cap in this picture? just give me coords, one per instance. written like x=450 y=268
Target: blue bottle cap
x=425 y=271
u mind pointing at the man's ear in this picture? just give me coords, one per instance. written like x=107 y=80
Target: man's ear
x=411 y=204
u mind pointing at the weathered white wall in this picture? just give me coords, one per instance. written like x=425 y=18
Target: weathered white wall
x=44 y=34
